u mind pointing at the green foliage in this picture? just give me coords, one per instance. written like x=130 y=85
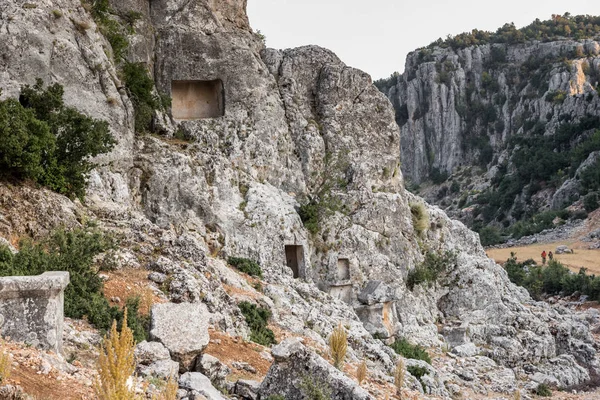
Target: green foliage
x=556 y=97
x=543 y=390
x=455 y=187
x=385 y=84
x=324 y=201
x=590 y=177
x=490 y=235
x=552 y=279
x=74 y=251
x=109 y=27
x=408 y=350
x=44 y=141
x=430 y=269
x=245 y=265
x=257 y=319
x=577 y=27
x=315 y=390
x=590 y=202
x=418 y=372
x=140 y=85
x=437 y=176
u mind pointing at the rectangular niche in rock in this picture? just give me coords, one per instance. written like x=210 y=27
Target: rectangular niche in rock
x=294 y=256
x=343 y=269
x=193 y=100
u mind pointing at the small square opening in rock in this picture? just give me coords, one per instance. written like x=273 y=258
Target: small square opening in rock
x=343 y=269
x=294 y=256
x=193 y=100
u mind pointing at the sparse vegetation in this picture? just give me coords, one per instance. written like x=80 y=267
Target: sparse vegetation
x=323 y=201
x=246 y=266
x=5 y=363
x=430 y=269
x=338 y=346
x=140 y=87
x=404 y=348
x=168 y=390
x=116 y=363
x=315 y=390
x=420 y=217
x=399 y=374
x=576 y=27
x=361 y=372
x=543 y=390
x=418 y=372
x=74 y=251
x=257 y=319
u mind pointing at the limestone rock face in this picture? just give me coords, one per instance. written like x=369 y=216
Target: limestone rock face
x=433 y=120
x=297 y=370
x=182 y=329
x=292 y=120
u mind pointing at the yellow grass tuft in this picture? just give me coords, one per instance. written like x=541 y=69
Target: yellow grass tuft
x=420 y=217
x=517 y=395
x=5 y=364
x=169 y=392
x=116 y=363
x=361 y=372
x=399 y=377
x=338 y=345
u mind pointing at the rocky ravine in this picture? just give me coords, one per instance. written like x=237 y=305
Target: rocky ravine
x=459 y=108
x=235 y=190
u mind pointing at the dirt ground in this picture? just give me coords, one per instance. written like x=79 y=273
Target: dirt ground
x=589 y=259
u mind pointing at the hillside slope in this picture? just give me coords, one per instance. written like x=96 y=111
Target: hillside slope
x=299 y=173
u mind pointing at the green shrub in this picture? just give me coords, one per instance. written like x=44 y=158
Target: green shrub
x=315 y=390
x=257 y=318
x=420 y=217
x=140 y=85
x=490 y=236
x=73 y=251
x=324 y=201
x=543 y=390
x=408 y=350
x=437 y=176
x=430 y=269
x=590 y=202
x=48 y=143
x=418 y=372
x=246 y=265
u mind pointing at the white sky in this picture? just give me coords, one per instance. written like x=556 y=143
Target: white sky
x=376 y=35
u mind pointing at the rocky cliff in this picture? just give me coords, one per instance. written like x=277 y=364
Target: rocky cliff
x=298 y=128
x=504 y=118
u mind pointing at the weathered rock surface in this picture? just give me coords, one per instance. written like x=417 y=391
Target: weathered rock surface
x=31 y=309
x=297 y=370
x=182 y=329
x=292 y=119
x=197 y=384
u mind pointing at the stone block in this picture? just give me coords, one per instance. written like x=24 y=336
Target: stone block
x=32 y=309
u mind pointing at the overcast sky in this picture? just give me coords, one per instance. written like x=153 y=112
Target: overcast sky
x=376 y=35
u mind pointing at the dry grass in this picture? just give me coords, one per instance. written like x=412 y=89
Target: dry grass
x=116 y=363
x=5 y=363
x=589 y=259
x=399 y=377
x=82 y=26
x=361 y=372
x=169 y=392
x=420 y=217
x=338 y=345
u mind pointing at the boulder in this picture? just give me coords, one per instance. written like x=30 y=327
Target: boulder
x=183 y=329
x=213 y=368
x=376 y=292
x=148 y=352
x=163 y=369
x=297 y=370
x=198 y=384
x=563 y=250
x=247 y=390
